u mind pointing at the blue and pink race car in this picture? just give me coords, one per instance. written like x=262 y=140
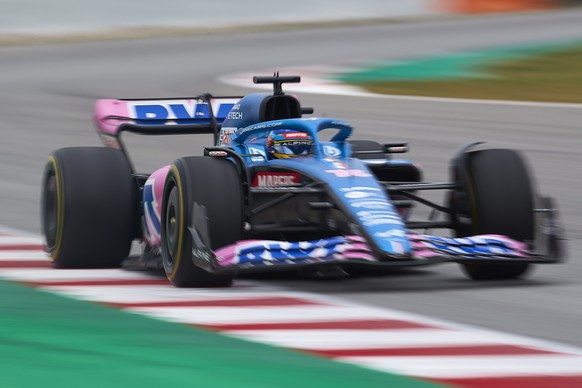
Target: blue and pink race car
x=278 y=191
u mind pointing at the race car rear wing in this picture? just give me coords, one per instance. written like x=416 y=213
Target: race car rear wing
x=194 y=115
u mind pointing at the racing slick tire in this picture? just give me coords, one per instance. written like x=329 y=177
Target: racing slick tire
x=500 y=199
x=367 y=145
x=199 y=182
x=89 y=207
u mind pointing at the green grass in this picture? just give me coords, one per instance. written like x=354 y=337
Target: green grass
x=554 y=76
x=48 y=341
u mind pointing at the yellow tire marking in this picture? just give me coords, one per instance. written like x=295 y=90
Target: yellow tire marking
x=178 y=255
x=60 y=208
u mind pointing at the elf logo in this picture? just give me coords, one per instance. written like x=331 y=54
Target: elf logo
x=276 y=179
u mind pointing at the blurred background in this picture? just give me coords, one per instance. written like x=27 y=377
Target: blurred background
x=503 y=71
x=84 y=16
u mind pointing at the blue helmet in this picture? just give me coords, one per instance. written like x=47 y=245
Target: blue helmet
x=287 y=143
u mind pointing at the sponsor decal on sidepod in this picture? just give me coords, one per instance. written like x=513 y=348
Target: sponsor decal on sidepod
x=275 y=179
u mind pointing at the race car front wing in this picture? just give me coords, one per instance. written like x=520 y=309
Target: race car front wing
x=271 y=255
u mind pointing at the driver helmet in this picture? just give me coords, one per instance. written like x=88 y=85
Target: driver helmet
x=287 y=143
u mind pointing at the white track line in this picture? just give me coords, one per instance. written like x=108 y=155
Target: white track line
x=52 y=275
x=471 y=366
x=22 y=255
x=138 y=294
x=249 y=315
x=369 y=339
x=21 y=240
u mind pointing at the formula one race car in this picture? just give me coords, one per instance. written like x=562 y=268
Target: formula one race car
x=272 y=195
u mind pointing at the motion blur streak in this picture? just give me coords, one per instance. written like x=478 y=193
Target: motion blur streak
x=47 y=96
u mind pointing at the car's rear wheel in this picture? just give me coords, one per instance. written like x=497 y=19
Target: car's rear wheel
x=209 y=189
x=88 y=207
x=498 y=198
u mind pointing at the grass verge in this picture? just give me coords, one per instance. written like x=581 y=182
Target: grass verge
x=554 y=76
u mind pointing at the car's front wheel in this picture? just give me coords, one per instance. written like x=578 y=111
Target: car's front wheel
x=199 y=191
x=498 y=196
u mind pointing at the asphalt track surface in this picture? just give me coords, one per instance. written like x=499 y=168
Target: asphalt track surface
x=47 y=95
